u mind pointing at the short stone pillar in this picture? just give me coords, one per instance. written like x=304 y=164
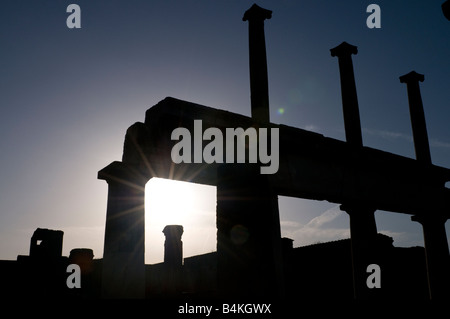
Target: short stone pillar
x=437 y=255
x=83 y=257
x=173 y=261
x=363 y=232
x=123 y=273
x=248 y=234
x=173 y=246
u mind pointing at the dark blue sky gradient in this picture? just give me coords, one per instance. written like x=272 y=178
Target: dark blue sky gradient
x=68 y=96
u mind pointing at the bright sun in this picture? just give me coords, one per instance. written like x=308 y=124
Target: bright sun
x=191 y=205
x=168 y=199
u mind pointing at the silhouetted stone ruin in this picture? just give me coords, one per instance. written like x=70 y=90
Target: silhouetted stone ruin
x=46 y=243
x=252 y=260
x=42 y=273
x=360 y=179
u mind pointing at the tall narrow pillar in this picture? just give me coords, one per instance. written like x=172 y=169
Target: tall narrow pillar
x=123 y=273
x=419 y=127
x=249 y=259
x=350 y=106
x=363 y=232
x=259 y=87
x=437 y=255
x=248 y=234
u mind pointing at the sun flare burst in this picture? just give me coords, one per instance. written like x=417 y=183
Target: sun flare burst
x=169 y=202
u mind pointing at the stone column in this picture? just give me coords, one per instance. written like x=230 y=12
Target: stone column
x=173 y=261
x=350 y=107
x=259 y=87
x=417 y=114
x=363 y=232
x=123 y=274
x=437 y=255
x=248 y=234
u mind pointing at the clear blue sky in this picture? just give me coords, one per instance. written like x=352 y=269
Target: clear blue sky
x=67 y=97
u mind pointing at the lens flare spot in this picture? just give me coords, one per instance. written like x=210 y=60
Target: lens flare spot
x=239 y=234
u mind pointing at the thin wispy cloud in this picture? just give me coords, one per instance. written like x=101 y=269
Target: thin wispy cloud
x=404 y=239
x=439 y=144
x=323 y=228
x=312 y=128
x=333 y=224
x=390 y=135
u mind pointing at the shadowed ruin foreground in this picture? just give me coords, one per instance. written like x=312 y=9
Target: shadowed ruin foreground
x=314 y=272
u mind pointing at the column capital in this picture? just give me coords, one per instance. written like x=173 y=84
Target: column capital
x=175 y=231
x=344 y=49
x=412 y=76
x=120 y=172
x=256 y=13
